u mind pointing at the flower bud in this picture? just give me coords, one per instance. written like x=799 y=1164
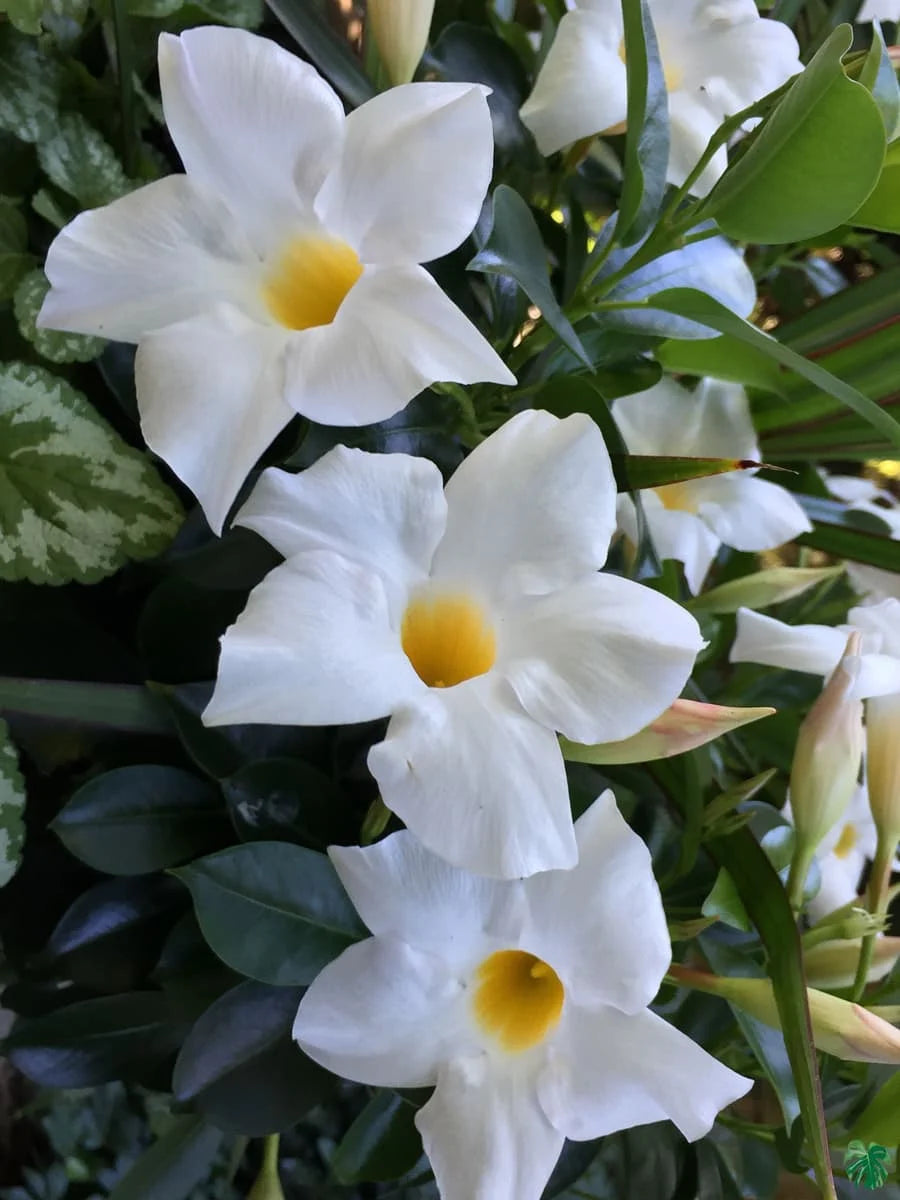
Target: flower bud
x=883 y=763
x=268 y=1185
x=400 y=28
x=827 y=755
x=839 y=1027
x=686 y=725
x=833 y=964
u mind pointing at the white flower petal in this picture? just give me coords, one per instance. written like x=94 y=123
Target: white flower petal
x=478 y=781
x=691 y=125
x=881 y=621
x=617 y=950
x=675 y=534
x=600 y=659
x=872 y=582
x=251 y=122
x=485 y=1134
x=157 y=256
x=396 y=499
x=713 y=421
x=314 y=646
x=816 y=649
x=581 y=88
x=383 y=1013
x=402 y=890
x=840 y=882
x=398 y=193
x=531 y=509
x=395 y=334
x=749 y=513
x=611 y=1071
x=879 y=10
x=209 y=391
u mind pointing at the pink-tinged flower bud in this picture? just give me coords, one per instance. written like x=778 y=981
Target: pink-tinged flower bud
x=400 y=28
x=686 y=725
x=826 y=762
x=846 y=1030
x=834 y=964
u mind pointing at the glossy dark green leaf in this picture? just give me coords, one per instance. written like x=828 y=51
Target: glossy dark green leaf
x=287 y=798
x=816 y=190
x=240 y=1066
x=647 y=136
x=272 y=911
x=305 y=22
x=141 y=818
x=190 y=975
x=94 y=1041
x=175 y=1164
x=381 y=1144
x=699 y=307
x=515 y=247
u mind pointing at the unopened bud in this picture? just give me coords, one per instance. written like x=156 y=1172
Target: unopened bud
x=839 y=1027
x=827 y=755
x=883 y=763
x=762 y=588
x=685 y=725
x=268 y=1185
x=834 y=964
x=400 y=28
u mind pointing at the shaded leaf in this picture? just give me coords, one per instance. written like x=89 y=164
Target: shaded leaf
x=647 y=134
x=175 y=1164
x=12 y=808
x=30 y=84
x=305 y=23
x=381 y=1144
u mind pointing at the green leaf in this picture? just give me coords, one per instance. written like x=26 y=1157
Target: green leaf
x=56 y=346
x=15 y=260
x=722 y=357
x=657 y=470
x=763 y=588
x=695 y=305
x=25 y=15
x=240 y=1066
x=879 y=1121
x=647 y=134
x=307 y=26
x=175 y=1164
x=12 y=808
x=243 y=14
x=30 y=83
x=881 y=210
x=820 y=153
x=867 y=1165
x=109 y=705
x=93 y=1041
x=382 y=1143
x=140 y=818
x=273 y=911
x=515 y=247
x=81 y=162
x=76 y=502
x=879 y=77
x=724 y=903
x=834 y=533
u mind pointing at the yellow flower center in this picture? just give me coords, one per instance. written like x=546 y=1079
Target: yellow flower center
x=310 y=281
x=846 y=841
x=447 y=639
x=673 y=75
x=678 y=496
x=518 y=999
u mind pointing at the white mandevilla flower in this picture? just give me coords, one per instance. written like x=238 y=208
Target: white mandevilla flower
x=280 y=274
x=879 y=10
x=862 y=495
x=690 y=521
x=525 y=1002
x=842 y=855
x=476 y=618
x=719 y=57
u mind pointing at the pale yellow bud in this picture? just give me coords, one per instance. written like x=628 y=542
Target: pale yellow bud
x=828 y=753
x=839 y=1027
x=883 y=763
x=400 y=29
x=268 y=1185
x=833 y=964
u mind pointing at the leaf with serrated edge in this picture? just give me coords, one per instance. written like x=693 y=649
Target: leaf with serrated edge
x=49 y=343
x=76 y=502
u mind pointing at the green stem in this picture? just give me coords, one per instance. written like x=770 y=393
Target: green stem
x=877 y=903
x=374 y=822
x=800 y=864
x=125 y=69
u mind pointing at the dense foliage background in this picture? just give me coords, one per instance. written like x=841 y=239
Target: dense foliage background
x=141 y=1018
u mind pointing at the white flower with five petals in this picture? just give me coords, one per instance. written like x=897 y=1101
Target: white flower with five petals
x=841 y=856
x=525 y=1002
x=280 y=273
x=476 y=618
x=689 y=521
x=719 y=57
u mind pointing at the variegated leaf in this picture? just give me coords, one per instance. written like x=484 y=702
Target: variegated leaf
x=12 y=808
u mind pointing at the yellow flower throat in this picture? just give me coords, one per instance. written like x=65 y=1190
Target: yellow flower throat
x=447 y=639
x=518 y=999
x=310 y=281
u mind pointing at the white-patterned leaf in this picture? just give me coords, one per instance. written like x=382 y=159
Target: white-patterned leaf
x=12 y=808
x=30 y=82
x=14 y=257
x=75 y=501
x=50 y=343
x=80 y=161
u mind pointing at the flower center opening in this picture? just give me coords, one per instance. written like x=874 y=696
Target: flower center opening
x=518 y=999
x=846 y=841
x=447 y=639
x=673 y=74
x=310 y=281
x=677 y=496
